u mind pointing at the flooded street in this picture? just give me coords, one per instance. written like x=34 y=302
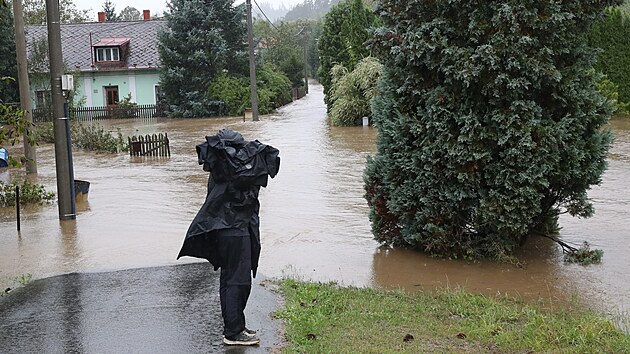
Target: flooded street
x=314 y=219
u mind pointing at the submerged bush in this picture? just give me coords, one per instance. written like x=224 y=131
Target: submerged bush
x=88 y=137
x=30 y=193
x=95 y=138
x=584 y=255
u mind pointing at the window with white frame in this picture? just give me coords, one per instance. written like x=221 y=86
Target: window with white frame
x=108 y=54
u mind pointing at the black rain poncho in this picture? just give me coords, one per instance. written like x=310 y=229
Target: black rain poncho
x=238 y=169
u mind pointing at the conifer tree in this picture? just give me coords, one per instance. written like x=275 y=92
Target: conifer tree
x=8 y=63
x=203 y=38
x=345 y=31
x=110 y=11
x=489 y=123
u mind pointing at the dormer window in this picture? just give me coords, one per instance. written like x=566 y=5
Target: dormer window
x=111 y=51
x=108 y=54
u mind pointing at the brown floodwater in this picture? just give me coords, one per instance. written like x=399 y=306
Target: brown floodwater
x=314 y=219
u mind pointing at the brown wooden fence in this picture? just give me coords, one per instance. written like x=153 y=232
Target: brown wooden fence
x=149 y=145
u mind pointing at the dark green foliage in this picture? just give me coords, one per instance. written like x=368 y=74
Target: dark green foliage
x=30 y=193
x=352 y=92
x=293 y=67
x=612 y=35
x=202 y=40
x=343 y=39
x=234 y=91
x=489 y=123
x=284 y=46
x=611 y=91
x=95 y=138
x=8 y=63
x=584 y=255
x=277 y=83
x=110 y=11
x=274 y=90
x=87 y=137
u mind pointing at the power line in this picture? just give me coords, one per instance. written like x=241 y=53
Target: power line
x=263 y=13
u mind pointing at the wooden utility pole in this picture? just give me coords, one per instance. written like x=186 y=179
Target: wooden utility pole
x=25 y=97
x=252 y=62
x=63 y=148
x=305 y=61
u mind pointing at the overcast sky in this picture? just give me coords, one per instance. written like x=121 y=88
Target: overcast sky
x=156 y=5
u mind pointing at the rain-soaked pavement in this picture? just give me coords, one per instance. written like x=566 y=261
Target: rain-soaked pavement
x=143 y=310
x=314 y=219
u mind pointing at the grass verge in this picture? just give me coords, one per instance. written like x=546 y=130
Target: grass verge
x=327 y=318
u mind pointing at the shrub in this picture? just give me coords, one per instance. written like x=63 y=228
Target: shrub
x=611 y=35
x=30 y=193
x=489 y=121
x=274 y=90
x=95 y=138
x=352 y=92
x=232 y=90
x=91 y=137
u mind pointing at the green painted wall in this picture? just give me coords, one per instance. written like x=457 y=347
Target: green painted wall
x=145 y=88
x=98 y=94
x=145 y=82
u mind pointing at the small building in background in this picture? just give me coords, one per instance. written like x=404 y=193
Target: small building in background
x=112 y=62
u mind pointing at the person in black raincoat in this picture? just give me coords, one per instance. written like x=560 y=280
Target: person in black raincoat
x=225 y=231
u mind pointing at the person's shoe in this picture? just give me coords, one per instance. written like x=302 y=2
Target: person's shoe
x=249 y=332
x=241 y=339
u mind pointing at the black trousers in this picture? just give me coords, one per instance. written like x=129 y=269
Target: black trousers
x=235 y=282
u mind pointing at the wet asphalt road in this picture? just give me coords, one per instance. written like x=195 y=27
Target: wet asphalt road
x=149 y=310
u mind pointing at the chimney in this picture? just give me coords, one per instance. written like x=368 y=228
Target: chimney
x=146 y=14
x=101 y=16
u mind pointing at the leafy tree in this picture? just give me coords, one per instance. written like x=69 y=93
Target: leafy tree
x=130 y=14
x=344 y=34
x=35 y=12
x=283 y=46
x=489 y=123
x=202 y=39
x=352 y=92
x=8 y=62
x=274 y=90
x=110 y=11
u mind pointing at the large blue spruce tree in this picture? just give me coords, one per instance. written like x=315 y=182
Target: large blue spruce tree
x=489 y=123
x=202 y=39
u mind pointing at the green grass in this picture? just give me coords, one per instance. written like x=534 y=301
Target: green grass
x=327 y=318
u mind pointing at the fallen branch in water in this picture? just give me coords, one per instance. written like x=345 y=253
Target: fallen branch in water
x=583 y=255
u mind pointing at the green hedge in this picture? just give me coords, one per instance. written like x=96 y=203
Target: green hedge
x=612 y=36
